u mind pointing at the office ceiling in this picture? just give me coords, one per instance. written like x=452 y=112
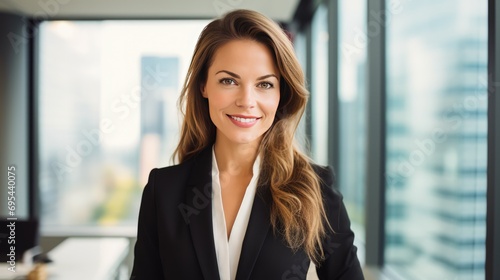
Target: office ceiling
x=280 y=10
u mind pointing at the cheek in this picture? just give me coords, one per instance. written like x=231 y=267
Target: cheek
x=271 y=105
x=217 y=102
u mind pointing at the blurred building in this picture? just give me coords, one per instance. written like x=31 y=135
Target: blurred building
x=436 y=140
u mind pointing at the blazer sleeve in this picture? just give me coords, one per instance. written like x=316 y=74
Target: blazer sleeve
x=147 y=264
x=341 y=261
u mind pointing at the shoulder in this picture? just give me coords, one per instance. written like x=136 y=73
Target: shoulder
x=170 y=177
x=168 y=172
x=194 y=164
x=177 y=176
x=325 y=174
x=327 y=181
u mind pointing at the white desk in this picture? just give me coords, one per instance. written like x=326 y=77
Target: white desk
x=87 y=258
x=81 y=259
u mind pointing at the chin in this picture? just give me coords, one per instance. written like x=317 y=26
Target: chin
x=245 y=140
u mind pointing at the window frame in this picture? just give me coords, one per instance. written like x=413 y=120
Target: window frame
x=493 y=178
x=376 y=140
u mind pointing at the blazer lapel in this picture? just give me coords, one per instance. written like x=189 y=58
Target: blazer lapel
x=199 y=197
x=258 y=227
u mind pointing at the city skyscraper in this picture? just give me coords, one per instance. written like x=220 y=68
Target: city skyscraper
x=436 y=140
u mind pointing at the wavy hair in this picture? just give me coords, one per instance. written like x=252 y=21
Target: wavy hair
x=297 y=210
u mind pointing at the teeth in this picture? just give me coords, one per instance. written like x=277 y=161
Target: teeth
x=244 y=120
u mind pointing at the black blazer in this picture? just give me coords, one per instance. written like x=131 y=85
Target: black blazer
x=175 y=235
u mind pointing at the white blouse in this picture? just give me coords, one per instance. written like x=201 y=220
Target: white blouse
x=228 y=251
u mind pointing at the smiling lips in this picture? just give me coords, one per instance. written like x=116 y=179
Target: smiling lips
x=243 y=121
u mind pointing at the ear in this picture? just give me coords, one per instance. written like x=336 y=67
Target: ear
x=203 y=91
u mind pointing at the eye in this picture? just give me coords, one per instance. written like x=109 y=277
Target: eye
x=266 y=85
x=227 y=81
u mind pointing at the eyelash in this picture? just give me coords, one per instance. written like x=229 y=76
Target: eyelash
x=270 y=85
x=224 y=81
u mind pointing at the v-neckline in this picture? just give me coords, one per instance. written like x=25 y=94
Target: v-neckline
x=228 y=248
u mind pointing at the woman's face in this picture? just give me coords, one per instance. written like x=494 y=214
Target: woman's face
x=243 y=92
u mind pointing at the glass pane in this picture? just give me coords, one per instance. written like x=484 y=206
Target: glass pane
x=300 y=47
x=319 y=87
x=107 y=114
x=436 y=139
x=352 y=111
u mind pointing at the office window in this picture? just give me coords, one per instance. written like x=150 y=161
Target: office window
x=436 y=139
x=319 y=86
x=300 y=47
x=352 y=109
x=107 y=115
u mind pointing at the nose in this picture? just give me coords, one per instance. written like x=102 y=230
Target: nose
x=246 y=98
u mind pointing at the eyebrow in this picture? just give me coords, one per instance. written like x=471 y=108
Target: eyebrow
x=238 y=76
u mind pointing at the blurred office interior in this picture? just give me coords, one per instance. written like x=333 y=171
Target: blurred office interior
x=403 y=105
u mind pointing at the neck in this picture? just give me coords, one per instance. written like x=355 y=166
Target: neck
x=235 y=159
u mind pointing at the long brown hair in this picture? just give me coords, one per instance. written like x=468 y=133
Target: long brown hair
x=297 y=211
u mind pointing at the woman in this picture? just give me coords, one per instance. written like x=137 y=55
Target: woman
x=244 y=202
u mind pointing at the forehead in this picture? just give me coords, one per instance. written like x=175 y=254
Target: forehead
x=244 y=56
